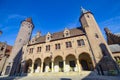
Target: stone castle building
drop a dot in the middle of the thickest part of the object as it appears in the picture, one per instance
(5, 51)
(73, 50)
(114, 43)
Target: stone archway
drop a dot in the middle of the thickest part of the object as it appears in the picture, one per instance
(37, 65)
(47, 65)
(58, 64)
(85, 61)
(70, 63)
(28, 67)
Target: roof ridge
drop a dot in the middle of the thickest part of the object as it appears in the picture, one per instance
(60, 35)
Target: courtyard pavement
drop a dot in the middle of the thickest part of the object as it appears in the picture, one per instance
(60, 77)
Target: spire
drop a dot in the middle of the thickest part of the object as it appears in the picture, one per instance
(83, 10)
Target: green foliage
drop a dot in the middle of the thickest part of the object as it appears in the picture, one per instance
(112, 72)
(118, 61)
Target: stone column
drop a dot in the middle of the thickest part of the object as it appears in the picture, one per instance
(32, 68)
(64, 65)
(78, 66)
(41, 67)
(52, 66)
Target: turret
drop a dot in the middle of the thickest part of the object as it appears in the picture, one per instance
(38, 34)
(23, 37)
(97, 43)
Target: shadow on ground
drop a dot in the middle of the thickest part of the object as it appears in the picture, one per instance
(65, 79)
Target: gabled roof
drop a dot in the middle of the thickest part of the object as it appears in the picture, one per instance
(60, 35)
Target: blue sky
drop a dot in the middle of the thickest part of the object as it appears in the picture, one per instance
(54, 15)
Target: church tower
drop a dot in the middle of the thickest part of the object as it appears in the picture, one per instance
(102, 55)
(23, 37)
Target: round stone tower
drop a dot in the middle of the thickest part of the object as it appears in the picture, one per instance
(23, 37)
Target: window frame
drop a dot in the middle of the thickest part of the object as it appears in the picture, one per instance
(39, 49)
(57, 46)
(80, 42)
(31, 50)
(68, 44)
(47, 47)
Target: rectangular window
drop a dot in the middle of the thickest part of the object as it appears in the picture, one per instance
(68, 44)
(80, 42)
(38, 49)
(7, 70)
(31, 50)
(48, 48)
(57, 46)
(96, 35)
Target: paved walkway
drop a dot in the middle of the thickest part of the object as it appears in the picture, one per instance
(61, 77)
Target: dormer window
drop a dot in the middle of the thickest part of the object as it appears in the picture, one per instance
(33, 40)
(48, 37)
(66, 33)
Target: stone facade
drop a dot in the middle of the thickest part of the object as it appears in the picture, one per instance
(114, 43)
(72, 50)
(23, 37)
(4, 55)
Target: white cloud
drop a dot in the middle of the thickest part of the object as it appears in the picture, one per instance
(16, 16)
(113, 24)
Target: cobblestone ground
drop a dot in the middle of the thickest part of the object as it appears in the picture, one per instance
(63, 77)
